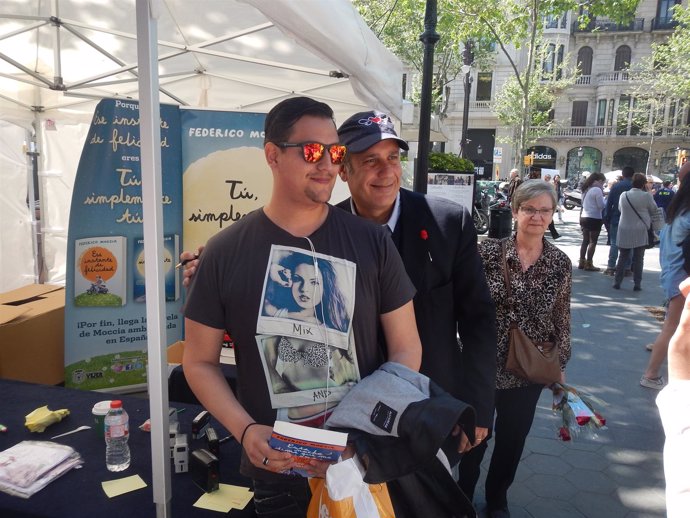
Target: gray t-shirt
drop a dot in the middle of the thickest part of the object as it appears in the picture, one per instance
(303, 334)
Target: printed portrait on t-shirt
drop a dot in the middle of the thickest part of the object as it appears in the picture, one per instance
(307, 295)
(304, 377)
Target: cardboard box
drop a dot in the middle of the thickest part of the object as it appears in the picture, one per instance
(32, 334)
(175, 352)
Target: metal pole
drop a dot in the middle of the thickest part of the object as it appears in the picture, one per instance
(467, 60)
(429, 37)
(152, 192)
(467, 83)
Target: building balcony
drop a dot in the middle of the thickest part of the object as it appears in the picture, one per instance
(618, 76)
(636, 25)
(594, 132)
(481, 105)
(664, 23)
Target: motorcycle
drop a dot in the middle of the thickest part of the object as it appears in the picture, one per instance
(572, 198)
(480, 213)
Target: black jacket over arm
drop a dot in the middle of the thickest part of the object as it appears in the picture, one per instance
(438, 245)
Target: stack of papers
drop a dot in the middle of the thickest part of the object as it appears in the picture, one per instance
(29, 466)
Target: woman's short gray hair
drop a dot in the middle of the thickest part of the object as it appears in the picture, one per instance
(531, 189)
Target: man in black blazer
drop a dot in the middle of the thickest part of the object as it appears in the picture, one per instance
(438, 244)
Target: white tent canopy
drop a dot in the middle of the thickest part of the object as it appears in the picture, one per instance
(57, 58)
(229, 54)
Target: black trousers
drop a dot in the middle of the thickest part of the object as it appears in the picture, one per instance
(515, 410)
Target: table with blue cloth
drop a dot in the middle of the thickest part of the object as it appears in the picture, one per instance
(78, 493)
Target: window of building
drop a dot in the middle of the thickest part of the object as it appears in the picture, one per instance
(612, 105)
(663, 12)
(552, 61)
(601, 112)
(623, 54)
(559, 62)
(623, 115)
(579, 114)
(551, 22)
(548, 61)
(484, 81)
(639, 118)
(584, 61)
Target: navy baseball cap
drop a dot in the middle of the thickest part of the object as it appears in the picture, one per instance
(364, 129)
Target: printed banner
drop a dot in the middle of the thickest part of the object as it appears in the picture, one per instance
(105, 314)
(457, 187)
(225, 172)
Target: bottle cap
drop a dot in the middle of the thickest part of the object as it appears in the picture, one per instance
(116, 403)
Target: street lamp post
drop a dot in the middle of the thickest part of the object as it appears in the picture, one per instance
(467, 60)
(429, 38)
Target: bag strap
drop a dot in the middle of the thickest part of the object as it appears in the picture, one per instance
(506, 274)
(635, 210)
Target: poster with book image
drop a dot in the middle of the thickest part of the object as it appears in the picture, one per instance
(106, 332)
(306, 443)
(171, 251)
(100, 271)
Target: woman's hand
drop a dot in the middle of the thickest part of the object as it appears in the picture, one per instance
(280, 275)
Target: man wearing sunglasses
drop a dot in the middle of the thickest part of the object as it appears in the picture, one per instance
(437, 241)
(230, 286)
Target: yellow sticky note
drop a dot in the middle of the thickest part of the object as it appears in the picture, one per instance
(122, 485)
(227, 497)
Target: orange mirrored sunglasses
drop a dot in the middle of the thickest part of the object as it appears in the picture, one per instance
(312, 152)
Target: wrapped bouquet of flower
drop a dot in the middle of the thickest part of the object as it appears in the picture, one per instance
(578, 416)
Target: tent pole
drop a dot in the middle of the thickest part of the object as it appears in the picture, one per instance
(32, 164)
(152, 192)
(57, 63)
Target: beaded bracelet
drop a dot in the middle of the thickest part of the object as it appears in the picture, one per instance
(245, 431)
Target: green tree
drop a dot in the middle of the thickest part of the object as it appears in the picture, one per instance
(659, 82)
(668, 68)
(509, 24)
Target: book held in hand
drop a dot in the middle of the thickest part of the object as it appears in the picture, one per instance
(306, 443)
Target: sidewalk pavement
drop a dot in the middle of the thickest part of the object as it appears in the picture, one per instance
(620, 473)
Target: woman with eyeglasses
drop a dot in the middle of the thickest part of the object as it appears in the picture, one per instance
(540, 279)
(591, 219)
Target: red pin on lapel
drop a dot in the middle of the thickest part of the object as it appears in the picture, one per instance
(425, 235)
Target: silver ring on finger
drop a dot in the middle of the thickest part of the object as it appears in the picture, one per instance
(265, 461)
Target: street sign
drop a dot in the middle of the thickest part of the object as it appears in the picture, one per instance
(498, 155)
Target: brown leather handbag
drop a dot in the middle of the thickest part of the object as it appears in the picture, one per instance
(535, 362)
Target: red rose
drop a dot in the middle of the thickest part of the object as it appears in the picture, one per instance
(600, 418)
(564, 434)
(582, 420)
(424, 234)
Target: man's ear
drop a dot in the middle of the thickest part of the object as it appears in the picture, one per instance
(342, 172)
(271, 152)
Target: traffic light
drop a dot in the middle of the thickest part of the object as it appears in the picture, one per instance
(529, 159)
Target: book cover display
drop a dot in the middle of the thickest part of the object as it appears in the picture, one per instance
(217, 157)
(171, 252)
(100, 271)
(306, 444)
(105, 330)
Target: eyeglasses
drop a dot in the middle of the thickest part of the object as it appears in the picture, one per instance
(531, 211)
(312, 152)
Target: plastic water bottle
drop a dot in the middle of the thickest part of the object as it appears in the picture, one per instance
(116, 425)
